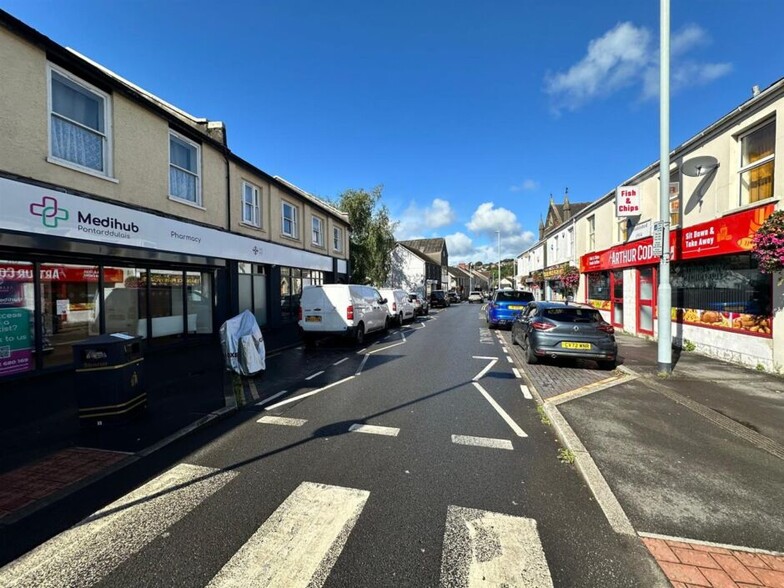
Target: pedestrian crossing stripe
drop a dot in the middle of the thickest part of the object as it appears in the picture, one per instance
(299, 543)
(90, 551)
(483, 548)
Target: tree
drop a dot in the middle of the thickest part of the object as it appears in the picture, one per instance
(372, 235)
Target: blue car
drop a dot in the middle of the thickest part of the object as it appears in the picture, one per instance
(505, 306)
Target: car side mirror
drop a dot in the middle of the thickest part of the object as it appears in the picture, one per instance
(382, 300)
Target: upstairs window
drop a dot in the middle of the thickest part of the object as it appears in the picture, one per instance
(318, 231)
(78, 123)
(251, 211)
(289, 220)
(184, 169)
(675, 199)
(591, 233)
(756, 166)
(337, 239)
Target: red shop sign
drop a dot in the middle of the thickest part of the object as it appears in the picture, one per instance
(722, 236)
(59, 273)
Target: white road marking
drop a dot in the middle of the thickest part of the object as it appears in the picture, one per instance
(90, 551)
(483, 442)
(526, 392)
(402, 334)
(509, 359)
(515, 427)
(361, 351)
(504, 349)
(385, 348)
(488, 367)
(374, 430)
(516, 373)
(483, 548)
(306, 394)
(314, 375)
(340, 361)
(271, 398)
(299, 543)
(361, 365)
(285, 421)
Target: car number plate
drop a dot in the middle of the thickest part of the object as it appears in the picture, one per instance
(570, 345)
(312, 319)
(515, 307)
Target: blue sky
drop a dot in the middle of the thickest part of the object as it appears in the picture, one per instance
(469, 113)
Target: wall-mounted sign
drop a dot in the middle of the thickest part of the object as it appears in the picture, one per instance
(640, 230)
(554, 272)
(628, 201)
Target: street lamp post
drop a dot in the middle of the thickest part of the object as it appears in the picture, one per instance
(665, 291)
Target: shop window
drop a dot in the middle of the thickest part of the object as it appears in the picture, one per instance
(646, 299)
(251, 207)
(616, 284)
(125, 301)
(166, 305)
(78, 123)
(598, 285)
(253, 291)
(290, 292)
(184, 169)
(68, 309)
(757, 157)
(17, 317)
(289, 220)
(729, 284)
(198, 300)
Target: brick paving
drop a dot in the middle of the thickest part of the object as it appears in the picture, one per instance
(688, 565)
(554, 377)
(24, 486)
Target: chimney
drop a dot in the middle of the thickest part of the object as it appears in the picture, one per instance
(217, 130)
(755, 91)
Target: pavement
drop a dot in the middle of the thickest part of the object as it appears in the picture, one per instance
(691, 464)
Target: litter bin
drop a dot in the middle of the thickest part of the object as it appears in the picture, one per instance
(109, 378)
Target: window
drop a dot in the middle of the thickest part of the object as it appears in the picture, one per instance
(591, 233)
(184, 169)
(253, 290)
(337, 239)
(675, 199)
(318, 231)
(17, 316)
(289, 218)
(251, 211)
(78, 123)
(598, 285)
(756, 165)
(623, 226)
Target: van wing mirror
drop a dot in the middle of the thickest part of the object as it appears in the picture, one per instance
(382, 300)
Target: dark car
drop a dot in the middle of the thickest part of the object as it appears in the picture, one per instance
(421, 305)
(438, 299)
(505, 306)
(559, 329)
(454, 297)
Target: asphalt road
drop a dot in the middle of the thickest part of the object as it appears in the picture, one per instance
(417, 461)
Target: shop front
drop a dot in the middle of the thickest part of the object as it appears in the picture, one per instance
(553, 286)
(718, 293)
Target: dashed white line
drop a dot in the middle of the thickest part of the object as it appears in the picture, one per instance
(306, 394)
(341, 361)
(314, 375)
(509, 359)
(514, 426)
(488, 367)
(284, 421)
(483, 442)
(526, 392)
(271, 398)
(361, 351)
(361, 365)
(504, 349)
(374, 430)
(516, 373)
(385, 348)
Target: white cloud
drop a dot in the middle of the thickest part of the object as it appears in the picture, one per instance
(525, 186)
(459, 245)
(416, 220)
(625, 56)
(488, 219)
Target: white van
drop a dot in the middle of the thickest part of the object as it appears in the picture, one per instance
(349, 310)
(399, 306)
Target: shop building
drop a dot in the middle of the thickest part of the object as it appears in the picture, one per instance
(122, 213)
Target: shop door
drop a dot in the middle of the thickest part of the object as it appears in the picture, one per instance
(646, 299)
(616, 289)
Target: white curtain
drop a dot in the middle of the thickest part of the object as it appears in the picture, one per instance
(76, 144)
(183, 184)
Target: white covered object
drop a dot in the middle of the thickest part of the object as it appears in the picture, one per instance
(243, 344)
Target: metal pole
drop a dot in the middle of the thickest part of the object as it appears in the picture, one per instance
(499, 259)
(664, 294)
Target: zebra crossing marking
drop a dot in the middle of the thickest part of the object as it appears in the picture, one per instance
(483, 548)
(90, 551)
(285, 421)
(374, 429)
(299, 543)
(483, 442)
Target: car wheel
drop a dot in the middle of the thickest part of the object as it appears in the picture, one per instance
(608, 365)
(514, 339)
(386, 324)
(359, 335)
(530, 356)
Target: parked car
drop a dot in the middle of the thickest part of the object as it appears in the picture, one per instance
(399, 307)
(505, 306)
(438, 299)
(421, 306)
(559, 329)
(349, 310)
(475, 296)
(454, 297)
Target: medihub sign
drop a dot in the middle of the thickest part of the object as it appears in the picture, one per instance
(628, 201)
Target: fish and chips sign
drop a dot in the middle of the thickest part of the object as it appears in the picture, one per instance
(628, 201)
